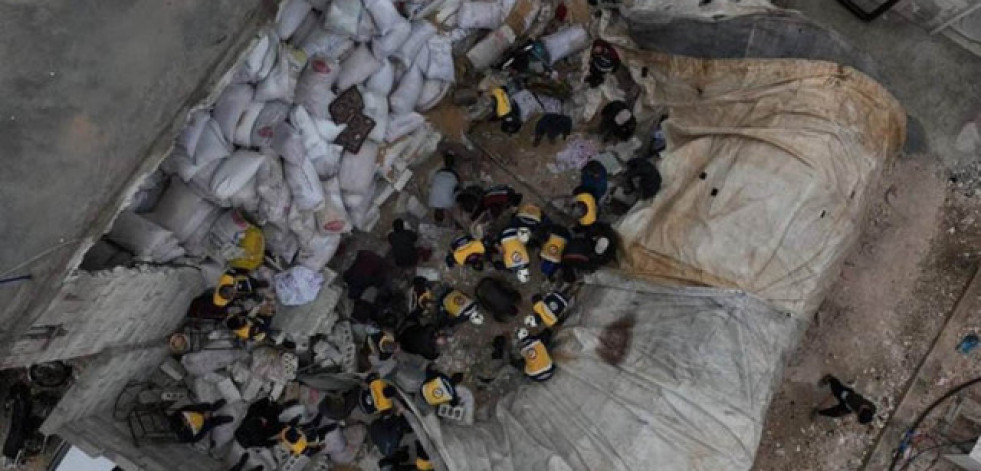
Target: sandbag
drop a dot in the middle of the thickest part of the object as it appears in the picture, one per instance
(422, 30)
(329, 164)
(298, 285)
(311, 22)
(403, 99)
(563, 43)
(270, 59)
(201, 182)
(383, 13)
(313, 88)
(144, 238)
(332, 218)
(383, 80)
(314, 146)
(248, 70)
(343, 17)
(490, 49)
(211, 145)
(302, 224)
(324, 43)
(197, 243)
(228, 229)
(272, 114)
(387, 45)
(235, 172)
(366, 28)
(291, 14)
(146, 197)
(180, 164)
(181, 210)
(440, 65)
(304, 185)
(246, 123)
(376, 108)
(400, 125)
(274, 195)
(280, 84)
(422, 57)
(288, 143)
(281, 243)
(328, 129)
(246, 198)
(191, 133)
(432, 92)
(358, 170)
(318, 251)
(357, 67)
(206, 361)
(230, 107)
(479, 15)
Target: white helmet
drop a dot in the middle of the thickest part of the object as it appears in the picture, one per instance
(523, 275)
(531, 322)
(524, 234)
(477, 318)
(522, 333)
(601, 245)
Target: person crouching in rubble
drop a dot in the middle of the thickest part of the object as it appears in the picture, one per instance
(617, 122)
(467, 251)
(248, 328)
(593, 179)
(299, 442)
(529, 216)
(421, 296)
(588, 251)
(402, 461)
(379, 397)
(514, 253)
(457, 308)
(603, 60)
(191, 423)
(236, 286)
(584, 208)
(438, 389)
(442, 190)
(548, 310)
(496, 200)
(552, 249)
(534, 359)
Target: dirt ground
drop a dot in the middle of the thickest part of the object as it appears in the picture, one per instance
(913, 261)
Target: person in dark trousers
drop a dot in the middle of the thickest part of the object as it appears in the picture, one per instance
(617, 121)
(260, 427)
(368, 270)
(848, 402)
(386, 433)
(442, 190)
(421, 339)
(19, 402)
(240, 466)
(403, 243)
(641, 176)
(191, 423)
(496, 200)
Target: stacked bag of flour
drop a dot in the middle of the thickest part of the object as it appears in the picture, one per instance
(271, 150)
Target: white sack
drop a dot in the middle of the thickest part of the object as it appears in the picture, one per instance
(328, 164)
(228, 229)
(400, 125)
(246, 123)
(189, 136)
(235, 172)
(383, 13)
(491, 48)
(527, 103)
(386, 45)
(319, 5)
(357, 67)
(403, 99)
(144, 238)
(343, 16)
(376, 108)
(332, 218)
(252, 63)
(181, 210)
(197, 243)
(432, 92)
(564, 43)
(313, 88)
(281, 81)
(206, 361)
(383, 80)
(314, 146)
(201, 182)
(230, 107)
(358, 170)
(291, 14)
(366, 28)
(479, 15)
(322, 42)
(440, 65)
(422, 57)
(303, 224)
(298, 285)
(318, 251)
(304, 185)
(246, 198)
(422, 30)
(311, 22)
(211, 145)
(272, 114)
(328, 129)
(288, 143)
(280, 242)
(181, 164)
(274, 195)
(270, 59)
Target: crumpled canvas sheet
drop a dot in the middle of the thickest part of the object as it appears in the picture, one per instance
(767, 176)
(649, 377)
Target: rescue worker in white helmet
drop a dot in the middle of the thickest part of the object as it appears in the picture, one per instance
(378, 397)
(584, 208)
(535, 361)
(455, 307)
(467, 251)
(530, 217)
(514, 253)
(438, 389)
(548, 310)
(552, 249)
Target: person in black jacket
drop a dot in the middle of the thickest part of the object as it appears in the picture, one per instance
(641, 176)
(403, 243)
(191, 423)
(849, 402)
(421, 339)
(260, 427)
(368, 270)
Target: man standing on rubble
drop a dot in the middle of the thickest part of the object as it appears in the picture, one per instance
(403, 243)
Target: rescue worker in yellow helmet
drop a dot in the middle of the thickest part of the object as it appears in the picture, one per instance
(455, 307)
(191, 423)
(548, 310)
(530, 217)
(552, 249)
(247, 328)
(293, 440)
(422, 297)
(514, 253)
(438, 389)
(465, 250)
(235, 285)
(378, 397)
(506, 111)
(535, 361)
(382, 344)
(305, 439)
(585, 208)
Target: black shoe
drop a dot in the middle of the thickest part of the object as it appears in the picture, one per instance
(500, 343)
(824, 380)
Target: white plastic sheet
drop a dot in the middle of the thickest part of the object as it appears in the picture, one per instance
(297, 286)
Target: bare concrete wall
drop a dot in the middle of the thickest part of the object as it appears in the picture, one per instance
(112, 309)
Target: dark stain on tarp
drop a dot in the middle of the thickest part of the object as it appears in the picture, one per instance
(614, 341)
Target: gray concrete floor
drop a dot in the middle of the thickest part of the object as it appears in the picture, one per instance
(91, 91)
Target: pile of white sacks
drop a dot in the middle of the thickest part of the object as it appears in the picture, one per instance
(266, 146)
